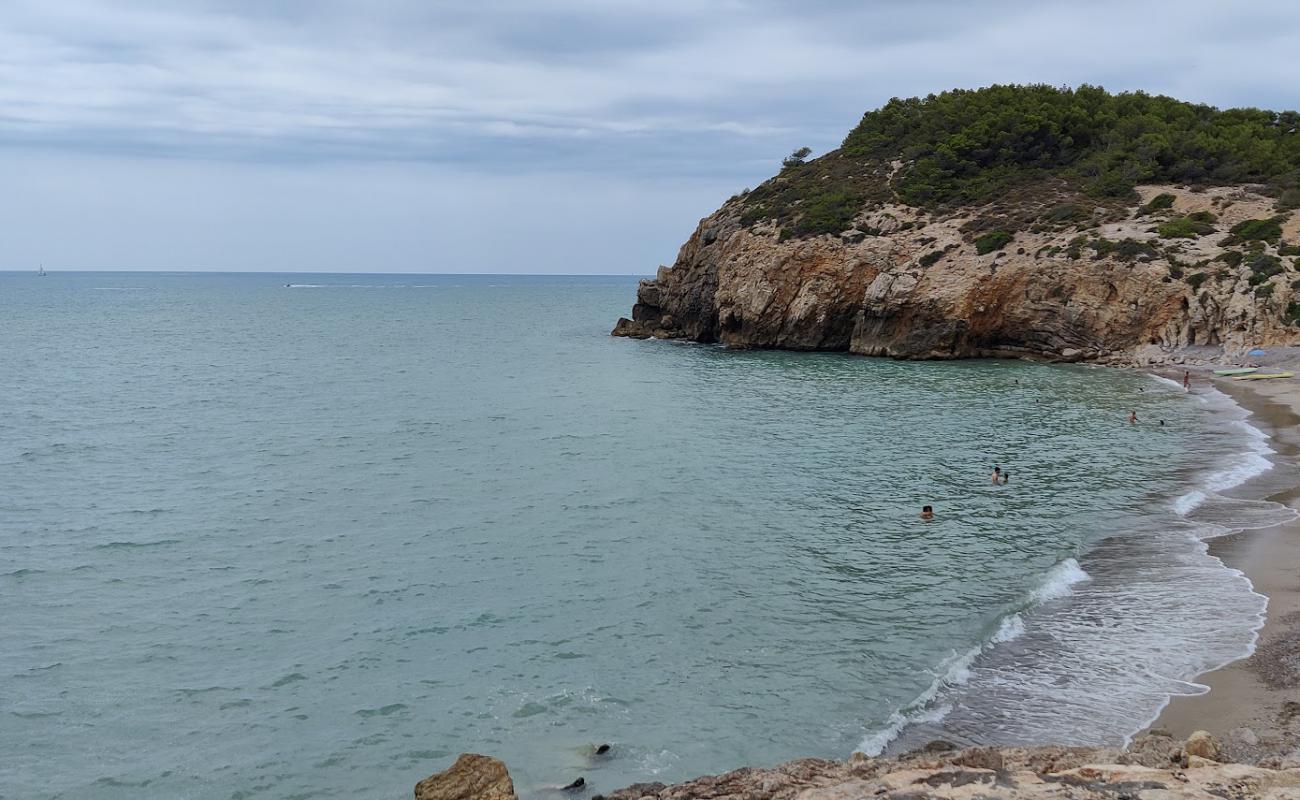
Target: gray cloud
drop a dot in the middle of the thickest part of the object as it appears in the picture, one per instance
(690, 99)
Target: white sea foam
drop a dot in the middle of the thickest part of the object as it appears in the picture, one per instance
(956, 669)
(1246, 466)
(1169, 381)
(1185, 504)
(1059, 580)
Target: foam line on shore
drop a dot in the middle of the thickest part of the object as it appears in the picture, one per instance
(953, 706)
(1056, 584)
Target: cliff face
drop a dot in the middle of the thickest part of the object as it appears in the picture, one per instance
(1108, 286)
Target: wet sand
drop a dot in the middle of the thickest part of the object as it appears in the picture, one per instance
(1260, 693)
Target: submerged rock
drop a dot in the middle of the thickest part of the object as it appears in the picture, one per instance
(472, 777)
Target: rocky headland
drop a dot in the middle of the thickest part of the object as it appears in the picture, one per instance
(934, 232)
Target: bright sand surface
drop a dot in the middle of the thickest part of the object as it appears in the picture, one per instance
(1258, 692)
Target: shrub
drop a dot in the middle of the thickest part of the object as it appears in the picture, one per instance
(1158, 203)
(1289, 200)
(934, 256)
(1261, 230)
(1130, 249)
(1232, 258)
(828, 213)
(797, 157)
(1066, 213)
(1195, 280)
(1293, 313)
(1188, 227)
(1284, 249)
(1264, 291)
(1263, 267)
(1124, 250)
(995, 240)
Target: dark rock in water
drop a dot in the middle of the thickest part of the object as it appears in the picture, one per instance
(603, 749)
(472, 777)
(578, 784)
(938, 746)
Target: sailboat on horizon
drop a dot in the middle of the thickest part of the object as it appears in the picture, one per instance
(41, 270)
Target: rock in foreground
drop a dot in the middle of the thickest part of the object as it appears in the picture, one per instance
(1156, 767)
(472, 777)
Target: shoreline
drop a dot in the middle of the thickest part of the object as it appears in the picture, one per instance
(1250, 703)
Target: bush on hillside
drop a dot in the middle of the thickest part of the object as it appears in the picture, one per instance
(995, 240)
(1160, 202)
(1232, 258)
(1262, 267)
(1258, 230)
(1191, 226)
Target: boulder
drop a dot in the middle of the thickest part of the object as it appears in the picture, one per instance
(472, 777)
(1202, 745)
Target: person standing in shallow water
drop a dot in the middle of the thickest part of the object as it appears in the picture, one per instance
(927, 513)
(996, 477)
(1187, 380)
(1132, 417)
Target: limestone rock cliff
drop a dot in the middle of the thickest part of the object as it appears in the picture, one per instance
(1119, 283)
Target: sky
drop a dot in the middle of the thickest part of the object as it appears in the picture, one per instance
(511, 136)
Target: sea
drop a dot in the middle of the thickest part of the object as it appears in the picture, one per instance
(309, 536)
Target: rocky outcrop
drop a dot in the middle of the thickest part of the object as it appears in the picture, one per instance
(472, 777)
(906, 284)
(1155, 767)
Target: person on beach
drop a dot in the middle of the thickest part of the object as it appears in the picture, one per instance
(1187, 380)
(927, 513)
(1132, 417)
(997, 474)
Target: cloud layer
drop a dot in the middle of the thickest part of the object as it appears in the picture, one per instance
(706, 96)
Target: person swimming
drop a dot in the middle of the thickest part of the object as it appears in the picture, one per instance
(1006, 478)
(927, 513)
(997, 474)
(1132, 417)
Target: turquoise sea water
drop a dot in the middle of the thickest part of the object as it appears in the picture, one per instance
(269, 541)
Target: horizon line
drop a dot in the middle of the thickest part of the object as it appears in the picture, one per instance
(96, 271)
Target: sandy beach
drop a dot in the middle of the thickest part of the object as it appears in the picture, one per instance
(1253, 705)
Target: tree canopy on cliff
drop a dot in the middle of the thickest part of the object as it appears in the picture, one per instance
(972, 146)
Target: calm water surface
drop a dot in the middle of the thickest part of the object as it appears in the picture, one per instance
(260, 541)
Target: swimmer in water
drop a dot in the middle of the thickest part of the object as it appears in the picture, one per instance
(1006, 478)
(997, 475)
(1132, 417)
(927, 513)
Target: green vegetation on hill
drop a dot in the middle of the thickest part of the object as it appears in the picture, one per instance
(974, 147)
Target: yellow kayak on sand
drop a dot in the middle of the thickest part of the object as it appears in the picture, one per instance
(1259, 376)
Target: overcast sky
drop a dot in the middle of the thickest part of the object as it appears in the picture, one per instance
(567, 136)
